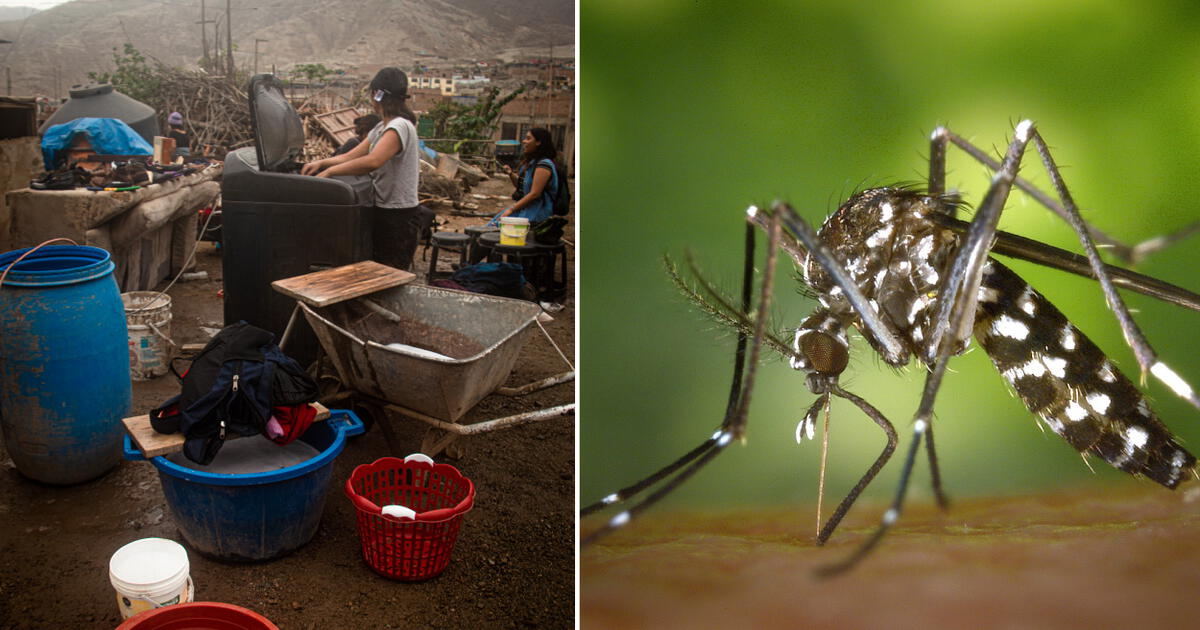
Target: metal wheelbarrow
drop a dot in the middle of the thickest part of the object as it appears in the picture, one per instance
(427, 353)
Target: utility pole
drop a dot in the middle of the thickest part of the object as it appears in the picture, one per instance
(256, 40)
(205, 62)
(228, 40)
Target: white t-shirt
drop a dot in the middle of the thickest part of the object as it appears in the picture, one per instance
(395, 182)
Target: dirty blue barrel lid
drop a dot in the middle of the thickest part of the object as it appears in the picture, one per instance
(55, 265)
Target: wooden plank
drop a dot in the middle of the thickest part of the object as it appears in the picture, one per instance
(322, 288)
(152, 443)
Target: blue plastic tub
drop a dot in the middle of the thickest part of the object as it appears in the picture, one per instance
(64, 363)
(258, 516)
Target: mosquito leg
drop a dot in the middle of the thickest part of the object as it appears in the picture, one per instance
(1128, 254)
(937, 161)
(1146, 357)
(894, 351)
(736, 409)
(934, 471)
(866, 479)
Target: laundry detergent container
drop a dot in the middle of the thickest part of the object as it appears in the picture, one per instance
(254, 516)
(277, 223)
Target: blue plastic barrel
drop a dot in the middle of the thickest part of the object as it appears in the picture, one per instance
(254, 516)
(64, 363)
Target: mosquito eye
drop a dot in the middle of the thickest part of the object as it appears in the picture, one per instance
(824, 352)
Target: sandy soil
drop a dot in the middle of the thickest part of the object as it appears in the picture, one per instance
(513, 565)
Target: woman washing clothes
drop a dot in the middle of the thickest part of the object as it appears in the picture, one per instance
(389, 156)
(536, 178)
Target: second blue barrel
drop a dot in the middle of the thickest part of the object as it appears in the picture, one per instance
(64, 363)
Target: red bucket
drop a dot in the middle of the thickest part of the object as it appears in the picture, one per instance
(198, 616)
(431, 497)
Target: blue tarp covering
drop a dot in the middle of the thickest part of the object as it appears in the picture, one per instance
(108, 136)
(429, 153)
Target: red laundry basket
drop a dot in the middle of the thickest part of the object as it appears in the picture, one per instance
(409, 548)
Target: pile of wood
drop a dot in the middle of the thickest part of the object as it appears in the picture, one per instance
(215, 109)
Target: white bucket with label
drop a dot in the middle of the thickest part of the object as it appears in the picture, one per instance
(148, 317)
(513, 230)
(150, 573)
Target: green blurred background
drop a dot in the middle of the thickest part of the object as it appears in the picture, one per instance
(690, 111)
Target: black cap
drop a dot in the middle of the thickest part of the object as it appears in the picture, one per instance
(391, 80)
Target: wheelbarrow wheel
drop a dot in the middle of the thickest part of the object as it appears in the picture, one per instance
(436, 440)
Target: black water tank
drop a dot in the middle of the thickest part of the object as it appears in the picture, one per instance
(100, 100)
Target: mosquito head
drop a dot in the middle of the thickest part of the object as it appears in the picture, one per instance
(821, 349)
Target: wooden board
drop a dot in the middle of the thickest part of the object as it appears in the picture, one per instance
(322, 288)
(152, 443)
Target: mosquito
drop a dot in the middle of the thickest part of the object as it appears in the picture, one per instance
(897, 264)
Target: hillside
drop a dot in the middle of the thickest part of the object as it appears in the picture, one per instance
(56, 48)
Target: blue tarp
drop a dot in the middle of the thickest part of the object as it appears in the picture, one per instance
(108, 136)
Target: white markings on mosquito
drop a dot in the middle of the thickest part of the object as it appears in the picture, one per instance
(807, 427)
(1025, 302)
(988, 294)
(925, 247)
(930, 275)
(752, 211)
(938, 133)
(920, 426)
(1075, 411)
(1106, 373)
(1056, 365)
(885, 213)
(1034, 367)
(1067, 339)
(725, 438)
(619, 520)
(1023, 129)
(1143, 407)
(1135, 437)
(1178, 459)
(880, 236)
(1173, 380)
(890, 516)
(610, 499)
(1055, 424)
(1099, 402)
(1009, 327)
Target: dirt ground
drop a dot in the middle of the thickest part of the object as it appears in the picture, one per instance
(513, 565)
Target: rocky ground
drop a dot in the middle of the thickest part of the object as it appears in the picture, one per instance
(512, 567)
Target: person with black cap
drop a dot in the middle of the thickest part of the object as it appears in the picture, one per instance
(183, 141)
(390, 156)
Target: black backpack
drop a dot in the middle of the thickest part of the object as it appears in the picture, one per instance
(230, 389)
(562, 199)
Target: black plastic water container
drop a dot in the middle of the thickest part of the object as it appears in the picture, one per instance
(277, 223)
(100, 100)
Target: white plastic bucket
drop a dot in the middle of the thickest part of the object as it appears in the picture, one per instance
(150, 573)
(513, 230)
(148, 317)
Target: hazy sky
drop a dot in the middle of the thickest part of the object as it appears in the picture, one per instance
(37, 4)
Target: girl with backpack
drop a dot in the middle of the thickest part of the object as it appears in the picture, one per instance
(536, 180)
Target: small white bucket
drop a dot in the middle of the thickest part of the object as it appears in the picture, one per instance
(513, 230)
(148, 317)
(150, 573)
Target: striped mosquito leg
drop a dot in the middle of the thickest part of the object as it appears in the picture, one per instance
(1066, 380)
(1146, 357)
(937, 161)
